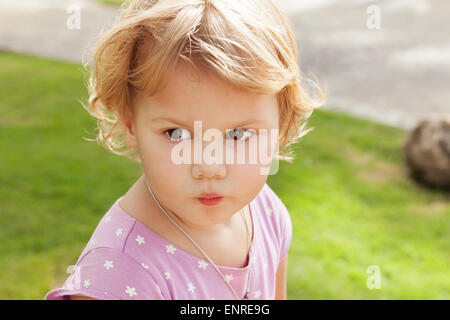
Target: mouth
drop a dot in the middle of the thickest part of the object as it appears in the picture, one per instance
(210, 199)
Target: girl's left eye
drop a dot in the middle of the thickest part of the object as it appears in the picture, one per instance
(237, 134)
(177, 133)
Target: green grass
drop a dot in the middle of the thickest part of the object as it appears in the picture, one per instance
(351, 204)
(112, 2)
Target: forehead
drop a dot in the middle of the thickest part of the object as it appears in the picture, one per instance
(196, 94)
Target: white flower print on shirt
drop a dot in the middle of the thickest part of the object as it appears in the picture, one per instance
(202, 264)
(257, 294)
(168, 275)
(108, 264)
(228, 277)
(144, 265)
(131, 291)
(170, 249)
(119, 231)
(87, 283)
(191, 287)
(140, 239)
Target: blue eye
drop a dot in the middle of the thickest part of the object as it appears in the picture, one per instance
(176, 134)
(241, 134)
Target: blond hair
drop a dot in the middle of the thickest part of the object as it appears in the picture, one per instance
(248, 43)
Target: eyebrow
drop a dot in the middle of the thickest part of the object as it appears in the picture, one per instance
(174, 121)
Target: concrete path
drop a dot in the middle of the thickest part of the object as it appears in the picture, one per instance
(39, 27)
(396, 75)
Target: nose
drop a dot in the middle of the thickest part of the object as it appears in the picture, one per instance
(208, 171)
(212, 167)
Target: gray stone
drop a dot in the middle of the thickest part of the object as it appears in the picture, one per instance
(427, 152)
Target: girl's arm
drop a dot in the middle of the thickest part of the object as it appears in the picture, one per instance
(280, 290)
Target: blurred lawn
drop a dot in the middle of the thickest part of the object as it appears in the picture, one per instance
(112, 2)
(350, 202)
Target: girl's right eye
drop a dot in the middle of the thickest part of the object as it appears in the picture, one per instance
(177, 133)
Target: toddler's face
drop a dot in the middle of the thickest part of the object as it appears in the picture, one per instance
(217, 105)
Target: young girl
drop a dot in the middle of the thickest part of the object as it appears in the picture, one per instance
(195, 230)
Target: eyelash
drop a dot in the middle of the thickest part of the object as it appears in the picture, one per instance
(252, 131)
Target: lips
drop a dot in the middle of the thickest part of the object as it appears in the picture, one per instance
(209, 195)
(210, 198)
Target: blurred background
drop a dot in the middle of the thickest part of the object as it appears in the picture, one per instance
(368, 192)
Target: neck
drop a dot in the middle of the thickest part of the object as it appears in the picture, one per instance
(215, 229)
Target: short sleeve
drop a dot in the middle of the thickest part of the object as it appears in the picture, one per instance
(109, 274)
(282, 219)
(286, 230)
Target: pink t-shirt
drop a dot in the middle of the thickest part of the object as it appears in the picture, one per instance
(126, 260)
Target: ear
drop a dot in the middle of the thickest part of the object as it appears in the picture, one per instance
(128, 129)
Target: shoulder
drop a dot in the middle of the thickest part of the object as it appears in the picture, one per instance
(107, 269)
(275, 218)
(112, 230)
(272, 205)
(109, 273)
(272, 198)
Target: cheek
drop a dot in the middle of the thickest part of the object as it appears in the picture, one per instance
(155, 150)
(247, 180)
(257, 151)
(247, 175)
(166, 177)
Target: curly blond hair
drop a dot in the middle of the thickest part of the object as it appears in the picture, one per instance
(248, 43)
